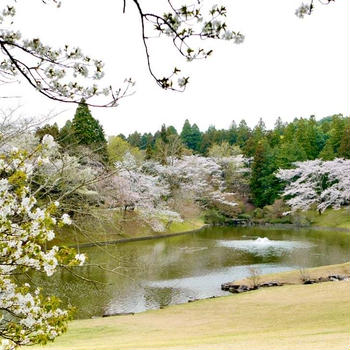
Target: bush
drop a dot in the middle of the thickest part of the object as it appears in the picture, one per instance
(214, 217)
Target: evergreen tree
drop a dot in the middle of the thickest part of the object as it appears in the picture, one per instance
(47, 130)
(243, 133)
(164, 134)
(327, 153)
(66, 135)
(191, 136)
(288, 153)
(312, 135)
(205, 144)
(276, 135)
(263, 184)
(146, 139)
(171, 130)
(135, 139)
(258, 133)
(232, 133)
(336, 132)
(149, 152)
(87, 131)
(344, 148)
(122, 136)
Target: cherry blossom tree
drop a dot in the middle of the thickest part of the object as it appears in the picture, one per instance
(27, 315)
(151, 186)
(132, 188)
(316, 182)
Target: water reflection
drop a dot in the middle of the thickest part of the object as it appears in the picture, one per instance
(156, 273)
(264, 246)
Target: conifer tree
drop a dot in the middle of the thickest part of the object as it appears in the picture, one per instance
(88, 132)
(344, 148)
(191, 136)
(264, 185)
(243, 133)
(327, 153)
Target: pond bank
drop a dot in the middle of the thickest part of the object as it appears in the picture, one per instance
(140, 238)
(307, 317)
(329, 273)
(164, 235)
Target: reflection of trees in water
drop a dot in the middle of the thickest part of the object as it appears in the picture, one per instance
(89, 298)
(138, 263)
(160, 297)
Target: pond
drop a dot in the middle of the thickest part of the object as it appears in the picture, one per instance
(141, 275)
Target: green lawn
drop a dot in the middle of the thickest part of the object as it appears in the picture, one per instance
(331, 218)
(293, 317)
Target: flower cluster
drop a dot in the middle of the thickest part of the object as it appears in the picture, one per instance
(151, 187)
(323, 183)
(27, 317)
(56, 73)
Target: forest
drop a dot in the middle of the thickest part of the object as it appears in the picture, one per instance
(156, 180)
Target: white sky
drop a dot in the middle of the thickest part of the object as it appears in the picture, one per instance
(287, 67)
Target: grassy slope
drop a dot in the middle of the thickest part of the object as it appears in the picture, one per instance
(294, 277)
(289, 317)
(331, 218)
(110, 229)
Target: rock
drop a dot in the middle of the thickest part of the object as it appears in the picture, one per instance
(109, 314)
(309, 281)
(225, 286)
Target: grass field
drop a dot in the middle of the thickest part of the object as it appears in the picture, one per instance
(294, 317)
(330, 218)
(109, 230)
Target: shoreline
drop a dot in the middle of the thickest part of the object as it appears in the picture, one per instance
(165, 235)
(135, 239)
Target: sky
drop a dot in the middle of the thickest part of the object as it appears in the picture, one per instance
(287, 67)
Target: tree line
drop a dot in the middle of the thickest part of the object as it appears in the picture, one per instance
(267, 149)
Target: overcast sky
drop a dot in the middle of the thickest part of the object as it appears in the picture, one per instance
(286, 67)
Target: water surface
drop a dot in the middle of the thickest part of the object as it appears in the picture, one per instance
(141, 275)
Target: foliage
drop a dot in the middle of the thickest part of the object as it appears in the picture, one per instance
(48, 129)
(191, 136)
(263, 184)
(117, 148)
(27, 315)
(223, 150)
(155, 190)
(87, 131)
